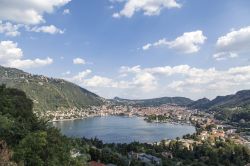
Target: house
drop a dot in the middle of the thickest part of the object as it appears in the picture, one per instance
(231, 131)
(218, 133)
(167, 155)
(219, 127)
(203, 135)
(133, 155)
(147, 158)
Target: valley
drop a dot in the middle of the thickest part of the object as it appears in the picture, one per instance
(68, 106)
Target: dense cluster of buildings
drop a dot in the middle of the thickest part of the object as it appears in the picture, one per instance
(172, 111)
(209, 129)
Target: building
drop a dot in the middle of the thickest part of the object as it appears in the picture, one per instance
(147, 158)
(167, 155)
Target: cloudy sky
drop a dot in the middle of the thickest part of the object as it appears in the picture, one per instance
(131, 48)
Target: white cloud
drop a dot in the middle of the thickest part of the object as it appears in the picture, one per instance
(224, 55)
(79, 78)
(11, 56)
(189, 81)
(145, 81)
(66, 11)
(13, 30)
(148, 7)
(116, 15)
(147, 46)
(233, 43)
(9, 29)
(188, 43)
(28, 63)
(180, 80)
(98, 81)
(28, 11)
(111, 7)
(51, 29)
(105, 82)
(79, 61)
(68, 72)
(9, 51)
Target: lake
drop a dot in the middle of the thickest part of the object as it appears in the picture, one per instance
(119, 129)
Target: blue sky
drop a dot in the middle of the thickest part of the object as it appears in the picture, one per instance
(131, 48)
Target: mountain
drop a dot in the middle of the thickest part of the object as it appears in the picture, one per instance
(48, 93)
(182, 101)
(53, 94)
(239, 99)
(199, 103)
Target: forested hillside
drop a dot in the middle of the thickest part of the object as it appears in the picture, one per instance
(182, 101)
(48, 93)
(26, 140)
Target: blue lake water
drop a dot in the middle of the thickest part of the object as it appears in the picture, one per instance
(118, 129)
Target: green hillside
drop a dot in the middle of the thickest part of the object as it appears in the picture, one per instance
(199, 103)
(239, 99)
(48, 93)
(182, 101)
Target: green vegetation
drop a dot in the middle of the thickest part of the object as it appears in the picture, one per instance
(239, 99)
(221, 153)
(48, 93)
(201, 103)
(160, 118)
(233, 109)
(32, 141)
(182, 101)
(235, 116)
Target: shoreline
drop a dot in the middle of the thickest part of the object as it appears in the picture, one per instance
(135, 140)
(169, 122)
(61, 120)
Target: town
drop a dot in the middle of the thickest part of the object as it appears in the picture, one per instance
(207, 127)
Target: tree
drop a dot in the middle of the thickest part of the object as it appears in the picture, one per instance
(30, 150)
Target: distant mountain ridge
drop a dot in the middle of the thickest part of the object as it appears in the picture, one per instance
(239, 99)
(182, 101)
(199, 103)
(49, 93)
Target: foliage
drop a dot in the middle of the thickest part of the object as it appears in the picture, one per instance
(220, 153)
(239, 116)
(182, 101)
(35, 142)
(32, 140)
(48, 93)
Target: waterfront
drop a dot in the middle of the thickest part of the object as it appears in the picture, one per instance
(118, 129)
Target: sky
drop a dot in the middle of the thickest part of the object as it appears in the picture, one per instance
(134, 49)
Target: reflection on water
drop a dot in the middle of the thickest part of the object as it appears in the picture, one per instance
(116, 129)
